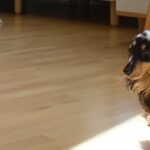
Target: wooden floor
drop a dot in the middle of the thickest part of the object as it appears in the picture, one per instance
(60, 87)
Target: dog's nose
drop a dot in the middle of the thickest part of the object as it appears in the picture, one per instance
(128, 70)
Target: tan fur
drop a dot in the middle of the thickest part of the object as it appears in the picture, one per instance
(141, 74)
(141, 84)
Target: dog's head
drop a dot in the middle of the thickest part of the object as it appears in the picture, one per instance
(137, 71)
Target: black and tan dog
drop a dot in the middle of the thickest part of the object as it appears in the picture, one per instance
(137, 71)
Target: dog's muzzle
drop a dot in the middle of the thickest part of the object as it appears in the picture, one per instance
(128, 69)
(130, 66)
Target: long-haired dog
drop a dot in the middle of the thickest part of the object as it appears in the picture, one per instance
(137, 71)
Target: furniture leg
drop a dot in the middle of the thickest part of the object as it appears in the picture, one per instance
(18, 6)
(114, 19)
(141, 22)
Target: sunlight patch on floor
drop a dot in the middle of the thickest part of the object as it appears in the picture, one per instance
(126, 136)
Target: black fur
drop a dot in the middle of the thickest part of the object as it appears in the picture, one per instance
(139, 51)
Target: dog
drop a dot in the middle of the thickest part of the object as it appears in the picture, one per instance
(137, 70)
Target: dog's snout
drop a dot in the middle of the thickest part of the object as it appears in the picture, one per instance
(128, 69)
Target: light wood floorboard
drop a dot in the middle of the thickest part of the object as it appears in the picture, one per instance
(60, 87)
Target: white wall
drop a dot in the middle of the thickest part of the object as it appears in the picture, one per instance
(134, 6)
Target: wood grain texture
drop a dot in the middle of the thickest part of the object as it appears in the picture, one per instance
(59, 82)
